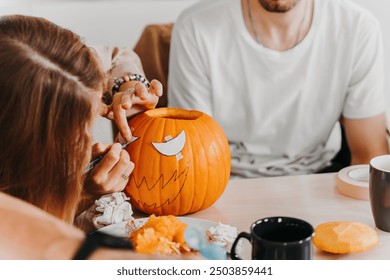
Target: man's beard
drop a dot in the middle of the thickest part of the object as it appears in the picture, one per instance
(278, 6)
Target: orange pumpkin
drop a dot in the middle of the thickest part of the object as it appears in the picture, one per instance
(182, 161)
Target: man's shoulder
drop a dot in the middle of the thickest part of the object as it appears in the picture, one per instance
(349, 11)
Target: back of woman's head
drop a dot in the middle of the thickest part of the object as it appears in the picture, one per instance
(49, 81)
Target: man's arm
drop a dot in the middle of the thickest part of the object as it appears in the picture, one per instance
(366, 138)
(363, 115)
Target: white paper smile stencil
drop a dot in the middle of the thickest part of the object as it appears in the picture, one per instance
(172, 146)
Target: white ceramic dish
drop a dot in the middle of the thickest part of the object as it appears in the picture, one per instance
(120, 229)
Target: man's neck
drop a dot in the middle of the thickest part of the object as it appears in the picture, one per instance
(278, 31)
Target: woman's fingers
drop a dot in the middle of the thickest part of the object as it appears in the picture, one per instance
(110, 159)
(144, 99)
(120, 173)
(99, 149)
(122, 166)
(141, 91)
(124, 177)
(127, 98)
(112, 173)
(156, 87)
(133, 100)
(120, 117)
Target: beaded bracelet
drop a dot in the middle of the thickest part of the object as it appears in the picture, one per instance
(126, 78)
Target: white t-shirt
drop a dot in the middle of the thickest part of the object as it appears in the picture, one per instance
(277, 108)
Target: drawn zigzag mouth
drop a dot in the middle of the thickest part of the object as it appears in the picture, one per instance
(160, 183)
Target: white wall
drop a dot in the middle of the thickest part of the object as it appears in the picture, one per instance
(104, 22)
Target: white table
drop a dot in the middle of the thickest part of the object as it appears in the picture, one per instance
(313, 198)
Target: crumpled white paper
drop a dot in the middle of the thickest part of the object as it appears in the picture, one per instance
(111, 209)
(222, 235)
(107, 210)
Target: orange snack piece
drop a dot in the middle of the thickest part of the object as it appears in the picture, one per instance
(344, 237)
(160, 235)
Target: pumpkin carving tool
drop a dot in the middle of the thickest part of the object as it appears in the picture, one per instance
(94, 162)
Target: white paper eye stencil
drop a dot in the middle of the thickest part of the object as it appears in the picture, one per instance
(173, 146)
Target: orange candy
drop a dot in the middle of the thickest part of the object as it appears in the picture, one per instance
(344, 237)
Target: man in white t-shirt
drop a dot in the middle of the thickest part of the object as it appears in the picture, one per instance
(277, 75)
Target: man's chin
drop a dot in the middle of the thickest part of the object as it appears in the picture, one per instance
(278, 6)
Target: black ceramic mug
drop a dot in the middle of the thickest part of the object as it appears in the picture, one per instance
(379, 188)
(278, 238)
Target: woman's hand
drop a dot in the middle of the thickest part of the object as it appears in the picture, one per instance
(133, 98)
(111, 174)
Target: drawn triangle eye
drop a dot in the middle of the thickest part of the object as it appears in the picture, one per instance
(173, 146)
